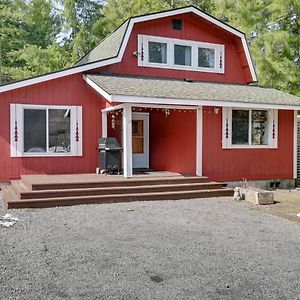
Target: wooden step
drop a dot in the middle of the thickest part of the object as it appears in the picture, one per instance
(109, 182)
(13, 201)
(24, 193)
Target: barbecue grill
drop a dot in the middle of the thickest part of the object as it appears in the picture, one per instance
(109, 156)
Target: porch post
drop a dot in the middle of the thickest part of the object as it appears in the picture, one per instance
(104, 124)
(127, 140)
(199, 118)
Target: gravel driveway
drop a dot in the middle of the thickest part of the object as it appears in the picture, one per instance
(192, 249)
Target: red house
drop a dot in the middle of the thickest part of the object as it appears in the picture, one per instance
(173, 87)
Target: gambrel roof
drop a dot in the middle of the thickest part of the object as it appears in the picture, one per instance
(136, 89)
(111, 49)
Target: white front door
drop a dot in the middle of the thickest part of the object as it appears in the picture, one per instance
(140, 140)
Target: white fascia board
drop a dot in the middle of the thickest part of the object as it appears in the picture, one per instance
(167, 101)
(97, 88)
(58, 74)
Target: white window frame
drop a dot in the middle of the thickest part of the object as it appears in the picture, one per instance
(227, 129)
(17, 130)
(143, 54)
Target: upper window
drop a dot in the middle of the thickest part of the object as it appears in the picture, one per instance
(38, 130)
(249, 128)
(157, 52)
(182, 55)
(206, 58)
(178, 54)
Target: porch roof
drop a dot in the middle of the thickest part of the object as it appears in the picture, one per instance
(118, 88)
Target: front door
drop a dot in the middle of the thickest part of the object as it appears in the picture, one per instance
(140, 140)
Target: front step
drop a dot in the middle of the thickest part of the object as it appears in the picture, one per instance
(24, 193)
(30, 184)
(12, 200)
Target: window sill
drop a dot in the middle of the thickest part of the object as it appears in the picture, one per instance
(48, 155)
(250, 147)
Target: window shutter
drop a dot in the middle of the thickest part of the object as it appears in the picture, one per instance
(76, 130)
(273, 127)
(16, 130)
(226, 127)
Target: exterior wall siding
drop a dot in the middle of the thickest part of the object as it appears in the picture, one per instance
(71, 90)
(252, 164)
(195, 29)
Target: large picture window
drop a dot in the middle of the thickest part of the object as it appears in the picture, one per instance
(162, 52)
(38, 130)
(47, 130)
(246, 128)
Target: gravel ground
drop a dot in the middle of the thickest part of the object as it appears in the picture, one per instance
(190, 249)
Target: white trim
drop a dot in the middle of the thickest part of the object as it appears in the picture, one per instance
(143, 42)
(17, 115)
(97, 88)
(127, 141)
(112, 108)
(166, 106)
(124, 43)
(104, 123)
(295, 146)
(141, 160)
(199, 139)
(227, 130)
(199, 102)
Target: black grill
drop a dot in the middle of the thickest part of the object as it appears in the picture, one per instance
(109, 155)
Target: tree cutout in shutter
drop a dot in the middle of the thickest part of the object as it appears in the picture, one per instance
(142, 52)
(16, 133)
(226, 129)
(77, 133)
(273, 130)
(221, 61)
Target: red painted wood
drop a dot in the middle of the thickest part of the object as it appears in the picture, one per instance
(71, 90)
(252, 164)
(194, 28)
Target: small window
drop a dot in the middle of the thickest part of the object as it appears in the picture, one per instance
(206, 58)
(182, 55)
(259, 127)
(176, 24)
(240, 127)
(157, 52)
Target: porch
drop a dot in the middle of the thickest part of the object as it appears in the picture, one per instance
(159, 137)
(39, 191)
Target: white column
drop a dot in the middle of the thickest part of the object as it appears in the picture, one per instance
(127, 140)
(199, 142)
(104, 124)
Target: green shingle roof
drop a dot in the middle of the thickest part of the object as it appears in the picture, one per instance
(107, 48)
(195, 90)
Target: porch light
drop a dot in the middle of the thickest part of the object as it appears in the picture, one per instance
(113, 122)
(216, 110)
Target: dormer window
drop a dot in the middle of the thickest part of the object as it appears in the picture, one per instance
(182, 55)
(157, 52)
(206, 58)
(168, 53)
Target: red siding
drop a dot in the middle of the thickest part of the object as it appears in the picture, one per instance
(194, 28)
(171, 140)
(235, 164)
(71, 90)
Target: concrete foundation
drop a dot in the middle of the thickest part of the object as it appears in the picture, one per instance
(272, 184)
